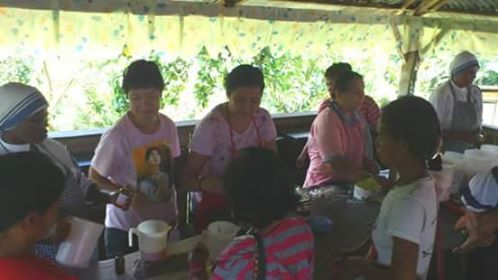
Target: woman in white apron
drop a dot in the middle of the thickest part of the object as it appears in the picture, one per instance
(458, 103)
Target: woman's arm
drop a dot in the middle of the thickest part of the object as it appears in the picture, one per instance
(347, 169)
(102, 181)
(403, 264)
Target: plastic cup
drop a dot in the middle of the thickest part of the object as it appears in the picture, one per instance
(218, 236)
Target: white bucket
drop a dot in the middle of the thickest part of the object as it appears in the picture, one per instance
(79, 246)
(218, 236)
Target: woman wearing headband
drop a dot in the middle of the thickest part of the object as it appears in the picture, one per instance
(458, 103)
(23, 127)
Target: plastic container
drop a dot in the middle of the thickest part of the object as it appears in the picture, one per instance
(79, 246)
(218, 236)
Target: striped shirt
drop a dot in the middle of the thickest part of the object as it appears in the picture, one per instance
(289, 252)
(368, 109)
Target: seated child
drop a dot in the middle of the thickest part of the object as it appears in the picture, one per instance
(277, 245)
(30, 190)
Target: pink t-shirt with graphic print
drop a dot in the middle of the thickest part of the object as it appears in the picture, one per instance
(114, 159)
(212, 137)
(329, 138)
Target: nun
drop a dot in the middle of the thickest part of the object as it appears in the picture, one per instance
(23, 127)
(458, 103)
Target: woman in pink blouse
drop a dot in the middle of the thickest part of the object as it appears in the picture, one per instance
(340, 146)
(229, 127)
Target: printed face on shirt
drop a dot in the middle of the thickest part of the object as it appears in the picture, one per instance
(466, 77)
(153, 157)
(144, 101)
(351, 99)
(33, 130)
(245, 100)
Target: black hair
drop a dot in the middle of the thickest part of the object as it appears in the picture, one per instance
(142, 74)
(335, 69)
(413, 120)
(244, 75)
(258, 187)
(344, 80)
(29, 183)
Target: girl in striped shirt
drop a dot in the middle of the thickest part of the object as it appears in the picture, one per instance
(277, 246)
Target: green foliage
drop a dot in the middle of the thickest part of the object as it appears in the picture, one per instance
(16, 69)
(209, 76)
(294, 83)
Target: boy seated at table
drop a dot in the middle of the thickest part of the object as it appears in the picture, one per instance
(30, 190)
(480, 198)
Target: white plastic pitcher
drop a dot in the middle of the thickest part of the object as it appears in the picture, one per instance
(79, 246)
(218, 236)
(152, 239)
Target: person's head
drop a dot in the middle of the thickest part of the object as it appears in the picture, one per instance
(258, 187)
(464, 68)
(333, 71)
(244, 87)
(153, 156)
(409, 130)
(23, 114)
(349, 90)
(143, 85)
(30, 190)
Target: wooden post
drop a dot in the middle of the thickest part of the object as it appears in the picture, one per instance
(409, 73)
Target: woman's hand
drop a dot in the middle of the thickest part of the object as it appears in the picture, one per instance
(125, 200)
(481, 229)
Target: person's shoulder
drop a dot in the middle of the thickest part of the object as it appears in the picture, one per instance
(121, 126)
(167, 122)
(53, 144)
(370, 101)
(444, 89)
(422, 191)
(215, 115)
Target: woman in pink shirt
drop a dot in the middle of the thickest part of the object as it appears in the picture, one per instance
(122, 158)
(340, 146)
(229, 127)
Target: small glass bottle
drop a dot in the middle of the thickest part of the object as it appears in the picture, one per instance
(123, 197)
(119, 264)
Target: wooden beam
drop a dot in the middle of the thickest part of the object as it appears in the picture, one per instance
(408, 75)
(428, 5)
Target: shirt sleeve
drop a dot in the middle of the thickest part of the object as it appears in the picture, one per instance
(109, 154)
(406, 220)
(443, 104)
(203, 141)
(175, 143)
(372, 112)
(326, 133)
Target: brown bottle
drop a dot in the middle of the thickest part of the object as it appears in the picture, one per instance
(119, 264)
